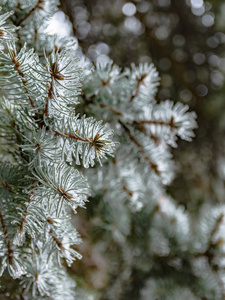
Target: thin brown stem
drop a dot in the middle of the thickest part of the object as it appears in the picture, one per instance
(21, 75)
(37, 6)
(25, 215)
(171, 123)
(112, 110)
(139, 82)
(56, 240)
(50, 90)
(64, 193)
(153, 166)
(211, 244)
(126, 190)
(7, 186)
(7, 241)
(55, 74)
(94, 142)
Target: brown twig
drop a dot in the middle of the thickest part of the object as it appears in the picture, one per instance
(20, 73)
(5, 184)
(126, 190)
(153, 166)
(94, 142)
(25, 214)
(112, 110)
(171, 123)
(39, 2)
(64, 193)
(139, 81)
(55, 74)
(56, 240)
(7, 241)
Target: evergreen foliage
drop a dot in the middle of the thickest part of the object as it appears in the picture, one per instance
(164, 253)
(42, 139)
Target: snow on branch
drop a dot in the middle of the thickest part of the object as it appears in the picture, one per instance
(85, 139)
(63, 184)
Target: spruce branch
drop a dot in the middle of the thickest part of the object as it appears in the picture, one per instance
(144, 80)
(153, 166)
(85, 139)
(7, 30)
(62, 183)
(25, 85)
(20, 73)
(37, 6)
(64, 85)
(10, 254)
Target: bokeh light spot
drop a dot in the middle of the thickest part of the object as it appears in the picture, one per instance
(197, 3)
(129, 9)
(143, 6)
(198, 11)
(134, 25)
(199, 58)
(186, 95)
(208, 19)
(202, 90)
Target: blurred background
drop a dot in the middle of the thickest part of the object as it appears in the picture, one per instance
(185, 39)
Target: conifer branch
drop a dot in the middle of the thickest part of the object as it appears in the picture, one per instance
(153, 166)
(49, 97)
(37, 6)
(23, 220)
(126, 190)
(56, 240)
(21, 75)
(112, 109)
(139, 82)
(5, 184)
(56, 75)
(96, 143)
(211, 245)
(10, 252)
(156, 122)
